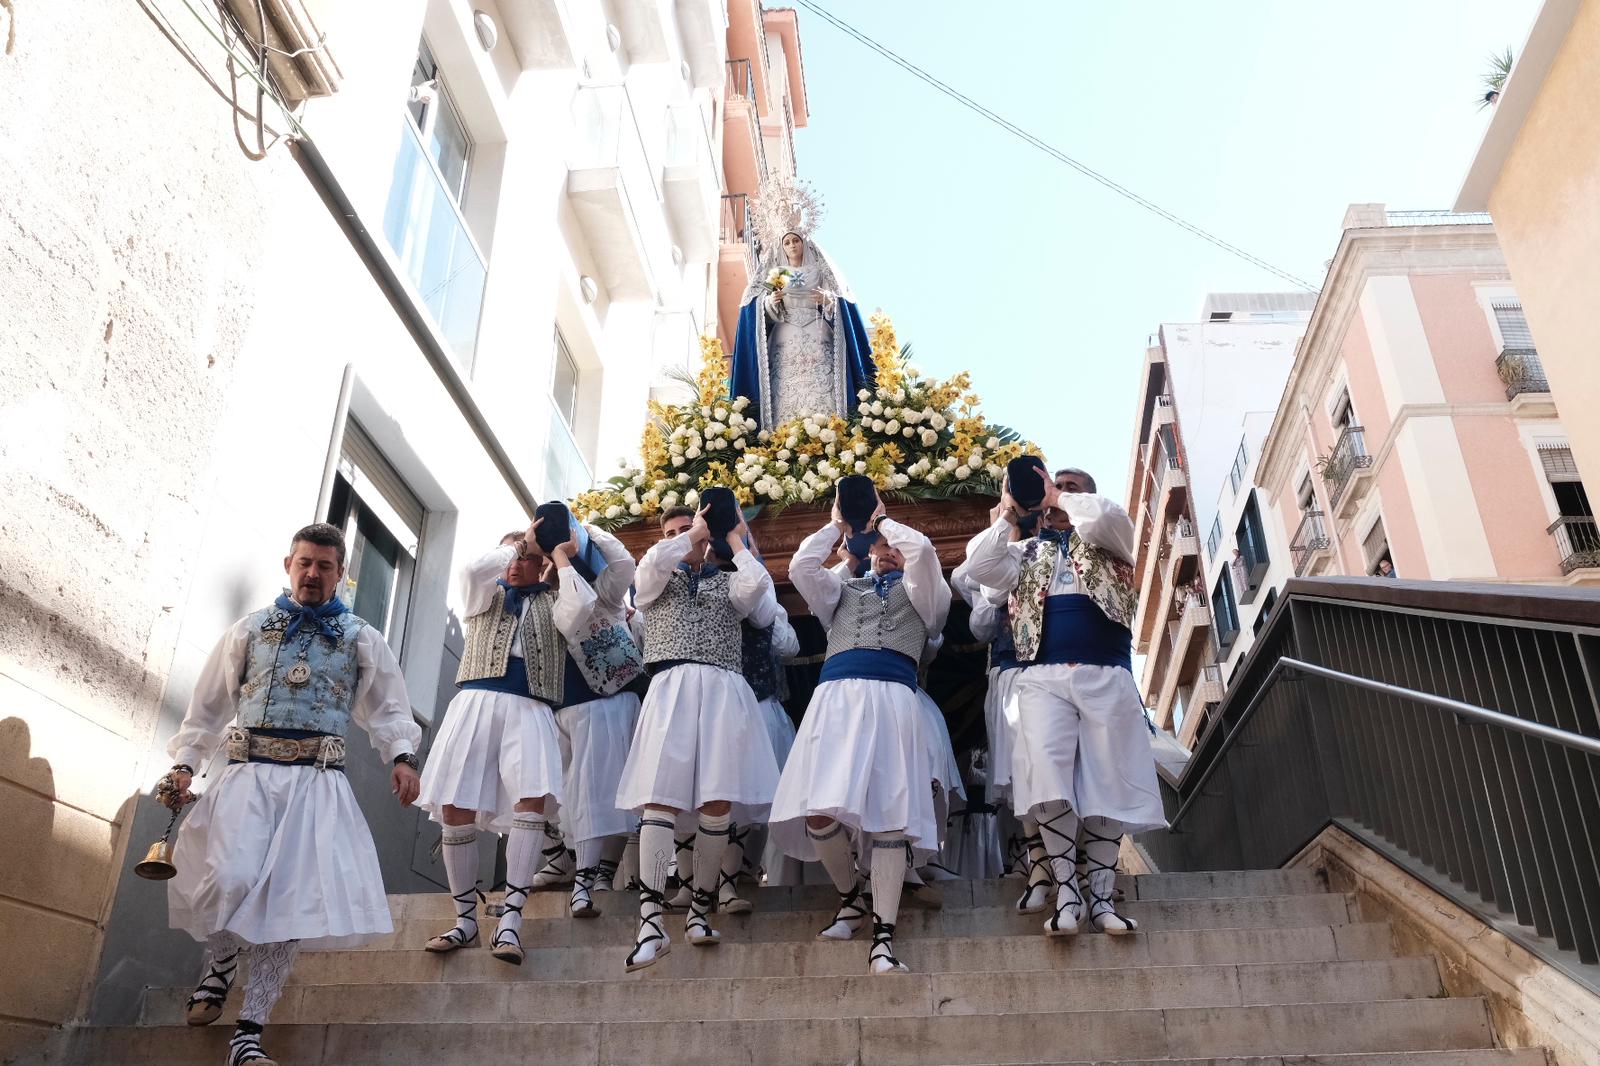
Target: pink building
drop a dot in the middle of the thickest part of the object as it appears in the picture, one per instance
(1416, 427)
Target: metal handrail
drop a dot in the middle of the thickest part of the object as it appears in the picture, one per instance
(1576, 741)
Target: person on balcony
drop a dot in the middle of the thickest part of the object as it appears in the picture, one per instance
(861, 767)
(276, 855)
(800, 348)
(1083, 748)
(700, 744)
(496, 764)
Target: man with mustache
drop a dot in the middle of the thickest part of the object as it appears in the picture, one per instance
(276, 854)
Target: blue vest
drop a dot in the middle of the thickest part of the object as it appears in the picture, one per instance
(322, 704)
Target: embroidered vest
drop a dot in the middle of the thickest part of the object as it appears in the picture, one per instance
(697, 627)
(864, 619)
(760, 665)
(544, 652)
(1103, 577)
(321, 704)
(608, 658)
(1003, 649)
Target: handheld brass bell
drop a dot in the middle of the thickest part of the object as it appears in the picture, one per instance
(157, 864)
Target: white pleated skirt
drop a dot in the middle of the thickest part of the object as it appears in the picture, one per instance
(273, 853)
(594, 749)
(1082, 738)
(1000, 725)
(861, 757)
(493, 750)
(941, 752)
(780, 729)
(701, 739)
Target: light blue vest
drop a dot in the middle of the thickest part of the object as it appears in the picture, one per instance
(267, 699)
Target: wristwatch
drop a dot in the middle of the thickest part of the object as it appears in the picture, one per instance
(876, 522)
(410, 760)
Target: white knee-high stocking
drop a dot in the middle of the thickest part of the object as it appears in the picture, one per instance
(833, 851)
(1058, 828)
(460, 850)
(888, 877)
(655, 859)
(1102, 843)
(522, 860)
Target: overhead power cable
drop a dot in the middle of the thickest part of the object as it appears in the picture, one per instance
(1049, 149)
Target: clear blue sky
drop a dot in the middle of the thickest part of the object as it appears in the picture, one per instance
(1259, 121)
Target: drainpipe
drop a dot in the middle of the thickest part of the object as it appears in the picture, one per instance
(330, 466)
(412, 315)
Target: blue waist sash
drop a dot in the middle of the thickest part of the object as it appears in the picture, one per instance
(575, 687)
(1078, 631)
(514, 682)
(870, 664)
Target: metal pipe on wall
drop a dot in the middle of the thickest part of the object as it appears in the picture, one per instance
(330, 466)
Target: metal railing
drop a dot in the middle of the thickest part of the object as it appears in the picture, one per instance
(1578, 541)
(1348, 456)
(1521, 371)
(1310, 538)
(1454, 728)
(736, 227)
(1437, 218)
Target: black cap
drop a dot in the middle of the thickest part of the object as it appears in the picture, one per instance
(1025, 480)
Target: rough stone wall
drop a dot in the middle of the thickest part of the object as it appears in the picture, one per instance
(128, 220)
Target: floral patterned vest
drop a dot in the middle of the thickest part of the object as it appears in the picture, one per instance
(1104, 578)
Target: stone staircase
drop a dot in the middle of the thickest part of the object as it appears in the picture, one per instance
(1258, 968)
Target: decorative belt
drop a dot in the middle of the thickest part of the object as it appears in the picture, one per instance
(325, 752)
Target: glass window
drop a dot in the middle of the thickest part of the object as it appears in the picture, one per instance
(1225, 613)
(442, 130)
(564, 382)
(1241, 463)
(1252, 536)
(1214, 539)
(382, 521)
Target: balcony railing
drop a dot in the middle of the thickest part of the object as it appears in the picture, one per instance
(1578, 542)
(1521, 371)
(736, 227)
(436, 250)
(1437, 218)
(1449, 727)
(1310, 538)
(1349, 455)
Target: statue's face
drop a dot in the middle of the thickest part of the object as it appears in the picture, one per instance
(794, 248)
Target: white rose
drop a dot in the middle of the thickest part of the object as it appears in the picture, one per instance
(891, 427)
(715, 429)
(675, 448)
(901, 480)
(785, 453)
(992, 443)
(977, 454)
(938, 421)
(691, 497)
(693, 452)
(863, 395)
(899, 395)
(909, 431)
(993, 470)
(705, 412)
(963, 472)
(677, 460)
(950, 462)
(614, 511)
(764, 436)
(847, 454)
(629, 495)
(929, 438)
(781, 467)
(861, 467)
(935, 476)
(634, 509)
(877, 425)
(828, 436)
(594, 516)
(740, 444)
(806, 494)
(719, 445)
(683, 479)
(652, 496)
(877, 407)
(741, 402)
(721, 413)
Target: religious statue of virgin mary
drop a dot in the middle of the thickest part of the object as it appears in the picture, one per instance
(801, 348)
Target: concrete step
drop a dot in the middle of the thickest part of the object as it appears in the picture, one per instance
(1462, 1057)
(957, 894)
(1175, 947)
(911, 995)
(619, 921)
(1181, 1033)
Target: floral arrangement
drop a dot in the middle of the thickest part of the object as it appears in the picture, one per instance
(917, 438)
(778, 279)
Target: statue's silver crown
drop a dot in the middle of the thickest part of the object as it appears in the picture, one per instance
(786, 205)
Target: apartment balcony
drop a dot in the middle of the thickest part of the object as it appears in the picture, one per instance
(1176, 563)
(1577, 542)
(1521, 372)
(1190, 644)
(1348, 465)
(1248, 570)
(1183, 555)
(541, 33)
(1209, 689)
(1309, 543)
(608, 157)
(744, 153)
(1165, 412)
(645, 28)
(692, 182)
(703, 29)
(1172, 489)
(434, 247)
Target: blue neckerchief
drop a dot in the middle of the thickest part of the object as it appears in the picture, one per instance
(321, 617)
(588, 561)
(883, 584)
(515, 594)
(706, 570)
(1056, 536)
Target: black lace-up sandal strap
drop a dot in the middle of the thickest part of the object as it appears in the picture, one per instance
(213, 987)
(882, 942)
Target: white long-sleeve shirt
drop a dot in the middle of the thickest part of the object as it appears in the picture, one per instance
(381, 708)
(749, 586)
(924, 578)
(785, 641)
(575, 599)
(611, 587)
(994, 559)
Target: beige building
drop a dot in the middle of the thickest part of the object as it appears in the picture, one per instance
(1537, 173)
(1417, 435)
(497, 226)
